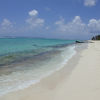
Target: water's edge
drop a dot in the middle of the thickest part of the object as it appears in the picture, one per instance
(72, 51)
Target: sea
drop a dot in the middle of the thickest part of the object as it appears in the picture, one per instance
(25, 61)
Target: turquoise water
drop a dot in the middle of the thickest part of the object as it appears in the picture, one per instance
(27, 44)
(25, 61)
(20, 48)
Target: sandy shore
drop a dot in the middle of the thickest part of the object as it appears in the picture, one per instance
(79, 80)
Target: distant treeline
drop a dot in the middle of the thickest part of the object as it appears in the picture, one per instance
(96, 37)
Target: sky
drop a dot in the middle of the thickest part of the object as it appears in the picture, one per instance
(65, 19)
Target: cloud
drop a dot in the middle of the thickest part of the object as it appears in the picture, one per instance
(33, 12)
(6, 23)
(6, 26)
(90, 2)
(34, 21)
(94, 26)
(61, 25)
(76, 26)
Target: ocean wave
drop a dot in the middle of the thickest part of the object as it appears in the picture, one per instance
(33, 70)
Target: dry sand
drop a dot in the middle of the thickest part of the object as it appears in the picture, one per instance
(79, 80)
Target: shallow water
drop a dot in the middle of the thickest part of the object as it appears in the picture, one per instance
(25, 61)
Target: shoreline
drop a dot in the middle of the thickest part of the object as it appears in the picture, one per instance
(26, 84)
(61, 84)
(58, 74)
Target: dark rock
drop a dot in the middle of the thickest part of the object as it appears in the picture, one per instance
(79, 42)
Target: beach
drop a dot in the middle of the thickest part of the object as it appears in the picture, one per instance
(79, 81)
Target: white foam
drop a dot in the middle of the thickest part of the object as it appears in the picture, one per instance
(23, 79)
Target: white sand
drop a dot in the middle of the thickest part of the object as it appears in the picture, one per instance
(81, 83)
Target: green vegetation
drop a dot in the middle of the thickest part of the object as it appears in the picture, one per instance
(96, 37)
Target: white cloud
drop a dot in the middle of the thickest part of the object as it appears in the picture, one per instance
(61, 28)
(90, 2)
(34, 21)
(76, 26)
(61, 25)
(6, 26)
(33, 12)
(94, 26)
